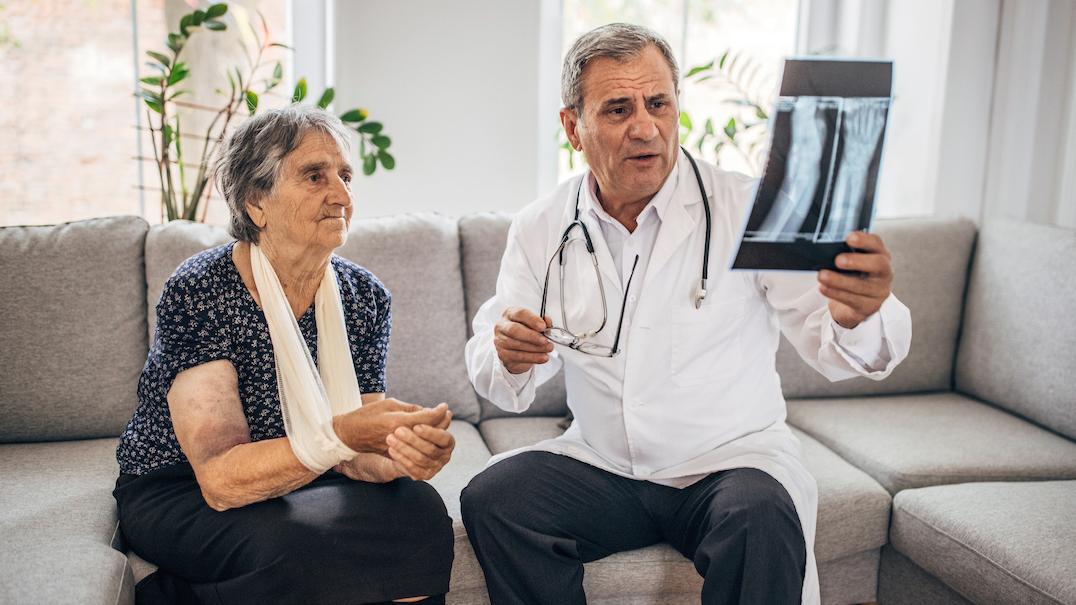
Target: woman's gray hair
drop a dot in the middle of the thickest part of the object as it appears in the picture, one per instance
(620, 41)
(249, 162)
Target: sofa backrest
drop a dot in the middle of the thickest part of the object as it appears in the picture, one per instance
(417, 257)
(1018, 347)
(74, 337)
(482, 237)
(930, 268)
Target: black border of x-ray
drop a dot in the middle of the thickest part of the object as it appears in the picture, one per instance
(818, 77)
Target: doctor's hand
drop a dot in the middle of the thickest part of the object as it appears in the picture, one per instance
(519, 341)
(853, 297)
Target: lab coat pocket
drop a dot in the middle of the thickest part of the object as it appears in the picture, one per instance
(706, 346)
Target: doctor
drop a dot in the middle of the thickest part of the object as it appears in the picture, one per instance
(679, 431)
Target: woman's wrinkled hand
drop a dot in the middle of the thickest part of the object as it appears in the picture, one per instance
(371, 468)
(423, 450)
(365, 430)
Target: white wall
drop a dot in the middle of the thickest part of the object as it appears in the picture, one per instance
(457, 87)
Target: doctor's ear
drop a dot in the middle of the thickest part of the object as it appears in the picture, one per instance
(570, 121)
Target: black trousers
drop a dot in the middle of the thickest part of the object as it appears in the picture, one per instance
(536, 517)
(332, 541)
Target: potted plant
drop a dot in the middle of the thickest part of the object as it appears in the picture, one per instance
(184, 194)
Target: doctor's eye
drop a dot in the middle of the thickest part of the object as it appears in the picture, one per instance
(313, 177)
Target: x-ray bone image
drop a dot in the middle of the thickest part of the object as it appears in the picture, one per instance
(818, 186)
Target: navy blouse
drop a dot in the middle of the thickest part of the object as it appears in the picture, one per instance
(206, 313)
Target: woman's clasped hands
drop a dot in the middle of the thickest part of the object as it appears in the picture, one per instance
(395, 439)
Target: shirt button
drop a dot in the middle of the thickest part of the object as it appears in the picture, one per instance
(631, 298)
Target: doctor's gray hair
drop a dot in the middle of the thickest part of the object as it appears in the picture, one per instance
(620, 41)
(248, 166)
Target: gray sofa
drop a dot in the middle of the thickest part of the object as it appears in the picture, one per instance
(952, 481)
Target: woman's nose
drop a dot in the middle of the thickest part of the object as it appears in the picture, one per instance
(340, 193)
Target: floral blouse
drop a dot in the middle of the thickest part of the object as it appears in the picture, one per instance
(206, 313)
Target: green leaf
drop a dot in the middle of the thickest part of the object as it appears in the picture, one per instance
(280, 45)
(381, 141)
(216, 26)
(326, 98)
(186, 22)
(721, 62)
(217, 10)
(178, 73)
(175, 43)
(152, 80)
(386, 159)
(761, 114)
(300, 91)
(278, 75)
(369, 164)
(699, 69)
(252, 101)
(730, 128)
(197, 17)
(354, 116)
(160, 57)
(685, 121)
(157, 66)
(177, 93)
(168, 135)
(151, 95)
(152, 104)
(708, 128)
(370, 128)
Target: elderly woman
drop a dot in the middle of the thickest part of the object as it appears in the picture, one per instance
(264, 463)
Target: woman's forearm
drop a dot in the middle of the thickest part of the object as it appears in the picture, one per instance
(252, 472)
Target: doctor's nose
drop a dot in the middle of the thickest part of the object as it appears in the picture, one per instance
(643, 127)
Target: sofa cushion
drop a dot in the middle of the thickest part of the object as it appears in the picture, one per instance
(74, 337)
(914, 441)
(59, 489)
(1018, 346)
(429, 331)
(482, 242)
(853, 510)
(993, 542)
(901, 582)
(930, 265)
(74, 570)
(57, 513)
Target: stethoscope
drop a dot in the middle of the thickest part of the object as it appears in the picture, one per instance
(700, 294)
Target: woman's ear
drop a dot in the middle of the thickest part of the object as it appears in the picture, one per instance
(256, 214)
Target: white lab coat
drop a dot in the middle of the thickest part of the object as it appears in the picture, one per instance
(695, 390)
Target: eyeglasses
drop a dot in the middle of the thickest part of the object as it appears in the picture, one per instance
(563, 335)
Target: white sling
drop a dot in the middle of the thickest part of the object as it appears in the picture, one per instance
(309, 400)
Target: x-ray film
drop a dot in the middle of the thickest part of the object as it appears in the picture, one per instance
(820, 179)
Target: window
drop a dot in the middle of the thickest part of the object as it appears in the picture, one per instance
(752, 36)
(71, 146)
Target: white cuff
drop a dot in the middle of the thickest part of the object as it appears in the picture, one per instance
(516, 382)
(865, 344)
